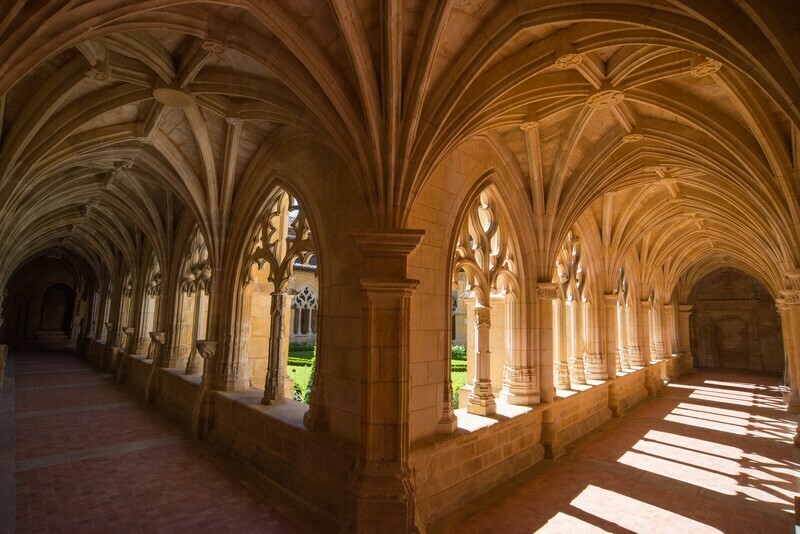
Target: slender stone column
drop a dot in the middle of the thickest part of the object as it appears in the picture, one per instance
(202, 414)
(668, 316)
(622, 336)
(562, 377)
(520, 379)
(612, 334)
(635, 356)
(383, 486)
(273, 389)
(546, 294)
(687, 360)
(575, 332)
(481, 400)
(659, 335)
(594, 356)
(646, 331)
(789, 351)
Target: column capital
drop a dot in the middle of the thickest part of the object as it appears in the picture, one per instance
(790, 296)
(668, 307)
(158, 337)
(547, 291)
(387, 251)
(781, 306)
(388, 286)
(685, 308)
(611, 301)
(207, 349)
(647, 305)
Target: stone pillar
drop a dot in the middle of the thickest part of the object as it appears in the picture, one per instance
(659, 334)
(520, 378)
(635, 356)
(273, 389)
(646, 331)
(481, 400)
(622, 336)
(594, 356)
(575, 332)
(562, 377)
(687, 360)
(546, 294)
(611, 332)
(157, 343)
(234, 371)
(202, 414)
(670, 337)
(789, 351)
(383, 487)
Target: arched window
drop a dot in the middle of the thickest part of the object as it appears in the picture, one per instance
(281, 240)
(484, 265)
(192, 306)
(124, 320)
(570, 315)
(149, 314)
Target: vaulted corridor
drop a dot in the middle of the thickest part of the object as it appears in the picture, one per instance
(711, 452)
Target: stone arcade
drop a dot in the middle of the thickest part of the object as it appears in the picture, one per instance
(594, 198)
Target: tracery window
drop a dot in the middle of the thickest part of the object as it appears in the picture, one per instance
(304, 311)
(152, 294)
(281, 240)
(195, 286)
(571, 314)
(484, 265)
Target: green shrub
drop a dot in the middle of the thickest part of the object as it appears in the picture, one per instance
(458, 352)
(458, 367)
(310, 385)
(459, 380)
(302, 347)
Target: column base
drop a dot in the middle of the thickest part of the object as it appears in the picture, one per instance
(383, 501)
(519, 399)
(481, 406)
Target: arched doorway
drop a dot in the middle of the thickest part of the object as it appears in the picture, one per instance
(58, 301)
(735, 324)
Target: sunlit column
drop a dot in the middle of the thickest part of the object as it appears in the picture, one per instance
(635, 356)
(669, 336)
(612, 335)
(520, 380)
(273, 389)
(481, 400)
(560, 337)
(622, 336)
(593, 356)
(546, 295)
(576, 366)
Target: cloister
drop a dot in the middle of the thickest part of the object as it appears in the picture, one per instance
(595, 199)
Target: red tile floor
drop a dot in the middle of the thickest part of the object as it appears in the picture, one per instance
(90, 459)
(712, 453)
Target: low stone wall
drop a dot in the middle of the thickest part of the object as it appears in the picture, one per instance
(139, 370)
(314, 465)
(631, 388)
(454, 469)
(177, 394)
(582, 412)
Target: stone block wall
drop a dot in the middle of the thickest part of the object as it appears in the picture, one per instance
(580, 413)
(177, 394)
(452, 470)
(273, 440)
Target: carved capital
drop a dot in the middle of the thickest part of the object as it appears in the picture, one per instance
(158, 337)
(632, 138)
(128, 330)
(547, 291)
(207, 349)
(483, 316)
(646, 305)
(790, 296)
(234, 121)
(611, 302)
(530, 125)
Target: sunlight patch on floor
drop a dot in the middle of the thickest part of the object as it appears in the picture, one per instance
(633, 514)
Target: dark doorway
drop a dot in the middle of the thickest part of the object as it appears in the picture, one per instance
(735, 324)
(57, 304)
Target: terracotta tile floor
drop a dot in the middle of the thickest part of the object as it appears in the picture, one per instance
(89, 459)
(711, 453)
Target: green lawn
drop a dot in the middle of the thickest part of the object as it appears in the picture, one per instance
(300, 375)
